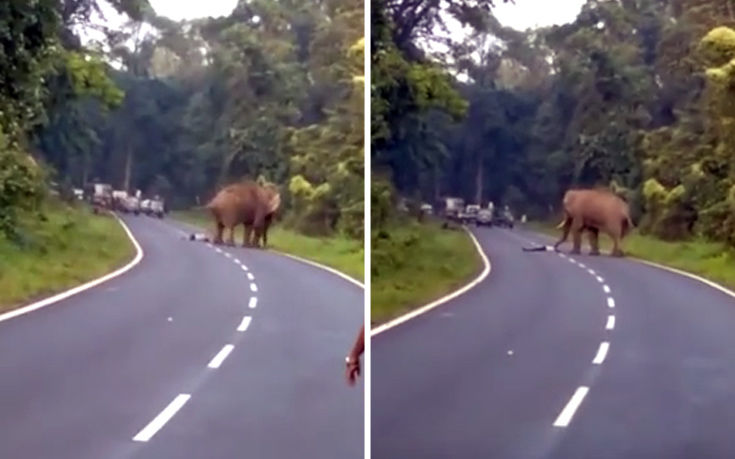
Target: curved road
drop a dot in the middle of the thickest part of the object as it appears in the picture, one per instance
(558, 357)
(175, 359)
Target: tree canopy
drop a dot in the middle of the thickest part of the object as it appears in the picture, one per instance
(633, 95)
(271, 91)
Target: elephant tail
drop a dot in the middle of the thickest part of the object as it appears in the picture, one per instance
(627, 226)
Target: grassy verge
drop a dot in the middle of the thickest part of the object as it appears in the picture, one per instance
(413, 264)
(70, 247)
(340, 253)
(712, 260)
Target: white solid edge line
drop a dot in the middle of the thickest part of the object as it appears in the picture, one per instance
(708, 282)
(253, 302)
(321, 266)
(163, 417)
(406, 317)
(221, 356)
(601, 353)
(250, 276)
(565, 417)
(610, 301)
(606, 288)
(244, 324)
(80, 288)
(610, 323)
(253, 287)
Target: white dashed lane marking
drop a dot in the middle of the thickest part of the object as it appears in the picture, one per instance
(601, 353)
(571, 407)
(244, 324)
(250, 276)
(253, 302)
(221, 356)
(159, 421)
(253, 287)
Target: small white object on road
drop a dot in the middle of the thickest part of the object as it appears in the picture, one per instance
(221, 356)
(610, 302)
(253, 287)
(565, 417)
(159, 421)
(601, 353)
(610, 323)
(244, 324)
(253, 302)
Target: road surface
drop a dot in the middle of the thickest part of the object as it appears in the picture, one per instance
(176, 359)
(593, 358)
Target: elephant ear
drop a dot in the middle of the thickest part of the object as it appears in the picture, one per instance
(274, 202)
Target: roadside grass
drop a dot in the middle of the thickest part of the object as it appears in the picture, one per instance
(338, 252)
(711, 260)
(413, 264)
(70, 247)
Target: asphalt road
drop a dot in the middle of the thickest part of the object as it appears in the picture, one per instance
(494, 372)
(83, 377)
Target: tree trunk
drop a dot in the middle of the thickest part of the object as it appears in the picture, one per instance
(128, 168)
(478, 183)
(730, 10)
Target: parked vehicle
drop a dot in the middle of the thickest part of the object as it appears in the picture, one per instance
(157, 207)
(484, 218)
(470, 214)
(131, 204)
(504, 219)
(145, 206)
(453, 208)
(427, 209)
(101, 197)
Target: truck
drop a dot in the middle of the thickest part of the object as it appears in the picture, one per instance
(157, 208)
(101, 197)
(453, 207)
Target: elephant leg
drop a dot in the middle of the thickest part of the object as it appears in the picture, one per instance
(246, 237)
(594, 241)
(565, 234)
(231, 239)
(617, 251)
(219, 228)
(577, 228)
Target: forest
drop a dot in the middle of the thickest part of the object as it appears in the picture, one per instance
(274, 91)
(634, 95)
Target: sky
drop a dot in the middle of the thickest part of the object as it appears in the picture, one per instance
(525, 14)
(191, 9)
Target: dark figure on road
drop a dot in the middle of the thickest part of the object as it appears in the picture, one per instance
(353, 359)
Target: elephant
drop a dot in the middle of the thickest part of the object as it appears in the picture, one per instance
(248, 204)
(595, 210)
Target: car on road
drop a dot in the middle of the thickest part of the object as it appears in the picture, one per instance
(469, 215)
(157, 208)
(484, 218)
(504, 219)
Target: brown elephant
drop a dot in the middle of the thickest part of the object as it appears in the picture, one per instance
(595, 210)
(248, 204)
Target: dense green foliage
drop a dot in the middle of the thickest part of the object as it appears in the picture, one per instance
(636, 95)
(274, 90)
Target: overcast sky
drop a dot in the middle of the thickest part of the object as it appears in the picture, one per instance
(525, 14)
(191, 9)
